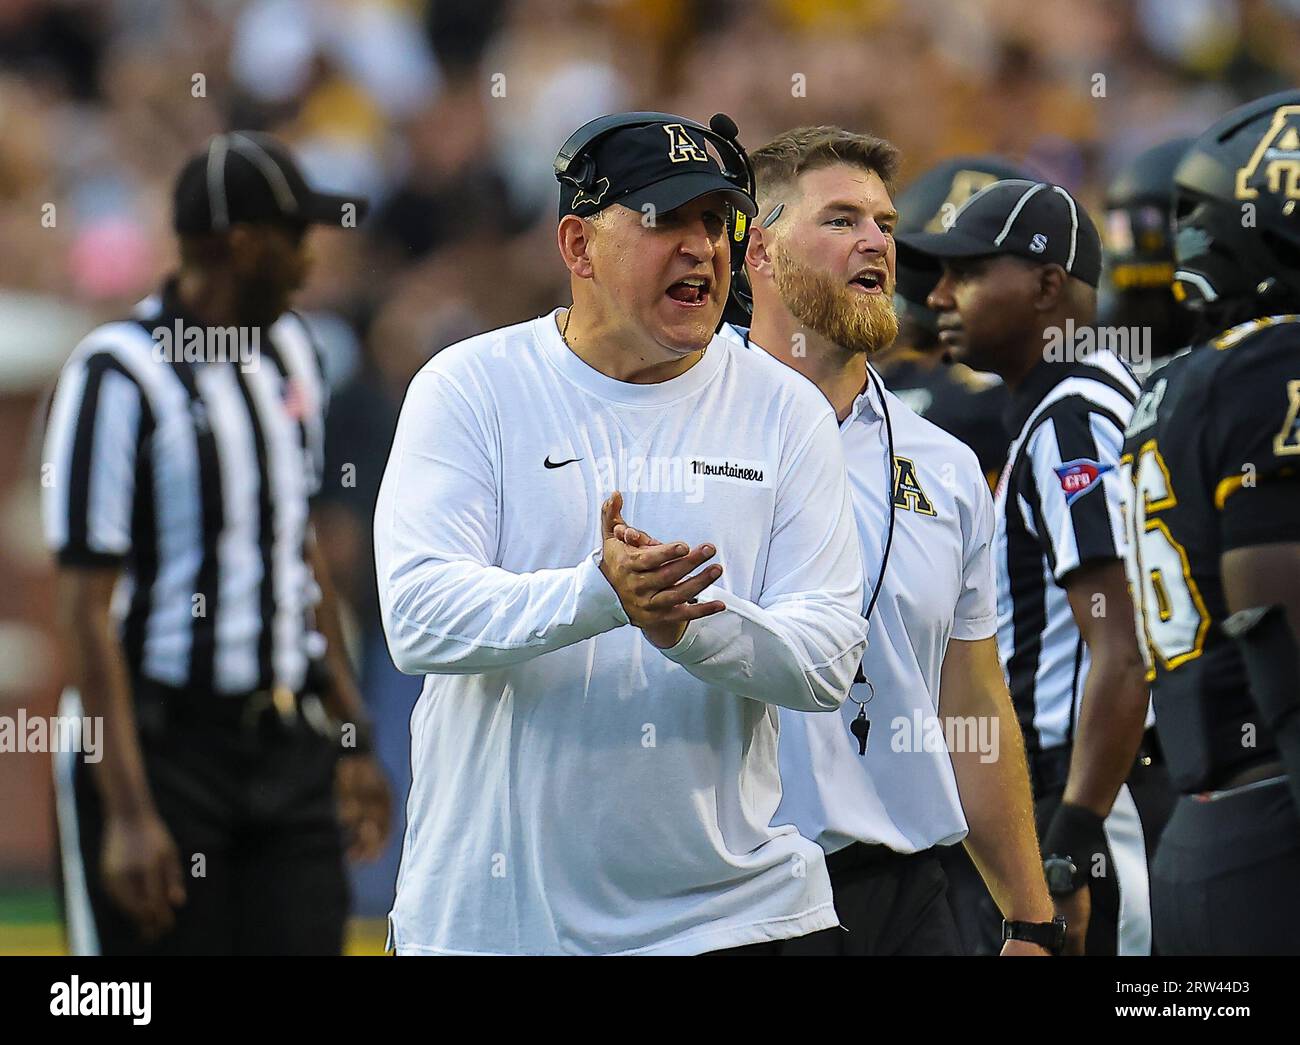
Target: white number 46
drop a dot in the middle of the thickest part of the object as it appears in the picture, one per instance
(1172, 619)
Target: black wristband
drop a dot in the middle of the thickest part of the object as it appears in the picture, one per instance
(1048, 935)
(1077, 833)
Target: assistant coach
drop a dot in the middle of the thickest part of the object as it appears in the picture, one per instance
(581, 785)
(183, 446)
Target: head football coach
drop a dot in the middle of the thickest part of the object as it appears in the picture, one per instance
(183, 447)
(594, 751)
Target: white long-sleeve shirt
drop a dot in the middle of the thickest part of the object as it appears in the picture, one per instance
(574, 788)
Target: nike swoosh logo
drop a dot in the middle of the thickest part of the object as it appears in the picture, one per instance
(559, 464)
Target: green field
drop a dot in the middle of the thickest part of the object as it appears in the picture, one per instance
(29, 924)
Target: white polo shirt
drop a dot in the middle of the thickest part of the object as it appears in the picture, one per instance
(939, 585)
(574, 789)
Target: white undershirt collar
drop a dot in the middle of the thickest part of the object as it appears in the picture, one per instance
(587, 377)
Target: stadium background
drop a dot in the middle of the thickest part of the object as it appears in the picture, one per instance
(448, 115)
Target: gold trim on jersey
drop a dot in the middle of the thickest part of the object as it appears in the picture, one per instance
(1162, 596)
(1202, 629)
(1164, 608)
(1165, 503)
(1226, 488)
(1287, 440)
(1128, 488)
(1235, 335)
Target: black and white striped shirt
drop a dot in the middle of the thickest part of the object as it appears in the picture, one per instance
(1057, 507)
(194, 476)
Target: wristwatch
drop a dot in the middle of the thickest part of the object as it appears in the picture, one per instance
(1048, 935)
(1063, 878)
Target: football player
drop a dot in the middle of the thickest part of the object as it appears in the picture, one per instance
(1137, 283)
(1211, 473)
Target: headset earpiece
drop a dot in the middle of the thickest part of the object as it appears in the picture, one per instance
(581, 173)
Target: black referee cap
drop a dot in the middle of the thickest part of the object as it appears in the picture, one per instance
(927, 205)
(245, 176)
(1030, 219)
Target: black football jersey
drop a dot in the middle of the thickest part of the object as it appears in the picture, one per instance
(1211, 462)
(962, 403)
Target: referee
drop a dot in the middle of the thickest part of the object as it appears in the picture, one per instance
(1021, 263)
(182, 449)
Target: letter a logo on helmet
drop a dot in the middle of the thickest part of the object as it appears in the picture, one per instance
(1274, 165)
(965, 183)
(682, 148)
(1226, 268)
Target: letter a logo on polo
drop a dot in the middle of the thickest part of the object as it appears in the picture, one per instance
(1079, 476)
(682, 148)
(907, 488)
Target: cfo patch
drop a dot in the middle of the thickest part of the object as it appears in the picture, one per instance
(1079, 476)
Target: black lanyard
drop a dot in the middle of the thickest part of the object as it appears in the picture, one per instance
(889, 493)
(861, 725)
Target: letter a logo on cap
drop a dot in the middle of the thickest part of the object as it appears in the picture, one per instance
(682, 147)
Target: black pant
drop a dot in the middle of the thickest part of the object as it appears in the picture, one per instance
(979, 922)
(249, 803)
(890, 903)
(977, 915)
(1226, 879)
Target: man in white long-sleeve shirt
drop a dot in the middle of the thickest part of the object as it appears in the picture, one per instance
(594, 752)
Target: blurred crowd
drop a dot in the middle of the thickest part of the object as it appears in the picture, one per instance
(448, 113)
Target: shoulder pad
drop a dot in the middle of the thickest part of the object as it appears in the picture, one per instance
(1235, 335)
